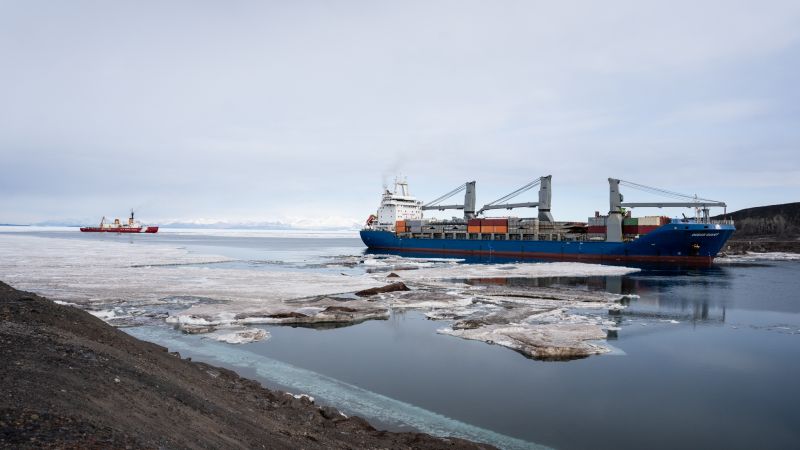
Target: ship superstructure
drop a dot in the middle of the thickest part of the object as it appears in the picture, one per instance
(397, 205)
(616, 236)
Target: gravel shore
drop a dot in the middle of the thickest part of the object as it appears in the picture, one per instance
(69, 380)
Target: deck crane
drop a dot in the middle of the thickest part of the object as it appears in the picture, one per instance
(469, 200)
(614, 221)
(545, 197)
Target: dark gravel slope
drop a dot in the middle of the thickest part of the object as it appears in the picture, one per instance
(69, 380)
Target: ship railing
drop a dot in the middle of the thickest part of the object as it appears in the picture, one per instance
(700, 220)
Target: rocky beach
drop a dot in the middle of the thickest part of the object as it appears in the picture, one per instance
(69, 380)
(772, 228)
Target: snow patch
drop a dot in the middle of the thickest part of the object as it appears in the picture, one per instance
(756, 256)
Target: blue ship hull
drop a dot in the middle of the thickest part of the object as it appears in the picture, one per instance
(674, 243)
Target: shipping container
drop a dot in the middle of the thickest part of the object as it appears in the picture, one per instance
(501, 229)
(638, 230)
(597, 221)
(650, 220)
(474, 229)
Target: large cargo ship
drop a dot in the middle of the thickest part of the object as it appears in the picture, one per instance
(614, 237)
(132, 226)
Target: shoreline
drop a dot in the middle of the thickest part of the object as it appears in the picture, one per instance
(760, 245)
(71, 380)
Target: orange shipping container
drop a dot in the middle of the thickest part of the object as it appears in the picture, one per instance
(487, 229)
(474, 229)
(501, 229)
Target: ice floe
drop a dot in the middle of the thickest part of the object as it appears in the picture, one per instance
(439, 269)
(240, 335)
(756, 256)
(543, 323)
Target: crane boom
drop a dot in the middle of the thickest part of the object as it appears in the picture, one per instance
(545, 196)
(511, 206)
(673, 204)
(469, 200)
(616, 203)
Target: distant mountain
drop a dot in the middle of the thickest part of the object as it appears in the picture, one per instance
(320, 224)
(226, 225)
(773, 221)
(66, 223)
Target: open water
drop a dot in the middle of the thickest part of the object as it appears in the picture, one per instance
(704, 357)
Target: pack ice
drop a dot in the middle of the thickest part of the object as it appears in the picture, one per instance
(189, 291)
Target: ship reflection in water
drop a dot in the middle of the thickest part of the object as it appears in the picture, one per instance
(646, 296)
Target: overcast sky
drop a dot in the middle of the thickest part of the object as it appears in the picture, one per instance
(300, 110)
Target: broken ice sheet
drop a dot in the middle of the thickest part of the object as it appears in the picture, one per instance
(238, 335)
(155, 276)
(168, 282)
(757, 256)
(539, 323)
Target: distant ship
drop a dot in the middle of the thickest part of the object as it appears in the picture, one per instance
(614, 237)
(117, 227)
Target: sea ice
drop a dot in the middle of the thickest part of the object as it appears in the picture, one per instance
(118, 281)
(238, 335)
(758, 256)
(537, 323)
(101, 273)
(519, 270)
(543, 341)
